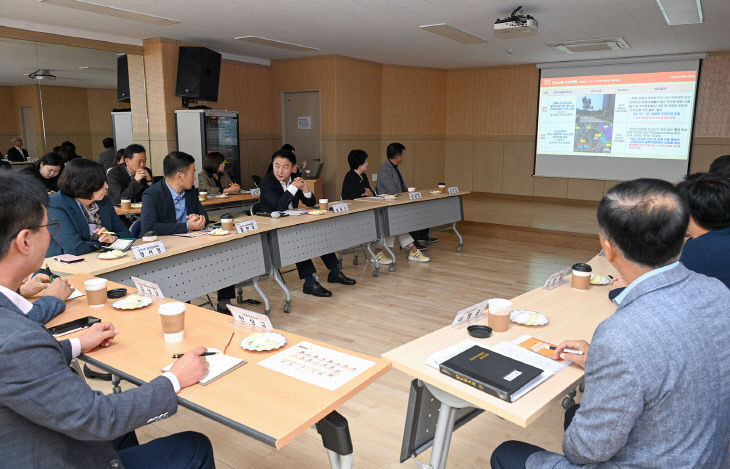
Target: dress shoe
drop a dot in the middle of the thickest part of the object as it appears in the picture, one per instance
(339, 277)
(432, 240)
(317, 290)
(91, 374)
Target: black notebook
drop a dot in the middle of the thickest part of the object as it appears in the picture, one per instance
(490, 372)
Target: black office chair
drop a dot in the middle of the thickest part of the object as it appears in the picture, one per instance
(256, 180)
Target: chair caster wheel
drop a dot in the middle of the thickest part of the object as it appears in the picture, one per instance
(459, 248)
(567, 402)
(582, 387)
(355, 261)
(391, 268)
(287, 308)
(376, 273)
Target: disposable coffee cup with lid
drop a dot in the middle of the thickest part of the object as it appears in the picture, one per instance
(227, 222)
(172, 316)
(581, 278)
(149, 236)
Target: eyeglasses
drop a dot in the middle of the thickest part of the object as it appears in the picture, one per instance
(53, 226)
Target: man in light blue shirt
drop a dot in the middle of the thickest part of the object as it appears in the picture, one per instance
(657, 372)
(178, 200)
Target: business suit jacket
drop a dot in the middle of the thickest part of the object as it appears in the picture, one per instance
(207, 183)
(73, 236)
(107, 157)
(17, 155)
(49, 417)
(657, 381)
(275, 199)
(158, 209)
(388, 180)
(124, 186)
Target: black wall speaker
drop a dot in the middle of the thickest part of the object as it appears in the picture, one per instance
(122, 79)
(198, 71)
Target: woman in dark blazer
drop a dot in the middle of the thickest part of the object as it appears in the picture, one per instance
(213, 179)
(356, 182)
(84, 210)
(47, 170)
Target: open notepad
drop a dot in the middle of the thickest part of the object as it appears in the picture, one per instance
(220, 365)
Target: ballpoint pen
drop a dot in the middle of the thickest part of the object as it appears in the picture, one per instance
(204, 354)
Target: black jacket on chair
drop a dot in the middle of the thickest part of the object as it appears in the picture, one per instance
(124, 186)
(275, 199)
(158, 210)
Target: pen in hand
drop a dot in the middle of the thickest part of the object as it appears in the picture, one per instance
(568, 350)
(50, 274)
(204, 354)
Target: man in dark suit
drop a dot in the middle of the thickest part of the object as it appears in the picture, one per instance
(17, 153)
(130, 179)
(172, 206)
(49, 417)
(282, 190)
(106, 158)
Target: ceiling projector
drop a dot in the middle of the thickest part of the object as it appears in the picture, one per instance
(516, 25)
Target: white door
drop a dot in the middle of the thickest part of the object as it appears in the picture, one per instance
(301, 122)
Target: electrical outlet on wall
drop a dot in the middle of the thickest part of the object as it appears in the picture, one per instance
(375, 177)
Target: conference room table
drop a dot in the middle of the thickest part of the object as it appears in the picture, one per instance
(189, 267)
(252, 399)
(434, 208)
(572, 314)
(233, 201)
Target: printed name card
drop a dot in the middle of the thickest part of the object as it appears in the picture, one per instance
(148, 250)
(246, 226)
(256, 192)
(556, 279)
(414, 195)
(339, 208)
(453, 190)
(250, 318)
(468, 315)
(147, 288)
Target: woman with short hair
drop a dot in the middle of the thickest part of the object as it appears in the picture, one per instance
(85, 213)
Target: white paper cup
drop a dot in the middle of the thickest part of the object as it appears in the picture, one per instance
(126, 204)
(411, 189)
(203, 195)
(96, 292)
(324, 204)
(172, 316)
(499, 311)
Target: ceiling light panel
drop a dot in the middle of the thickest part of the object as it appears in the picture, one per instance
(111, 11)
(450, 32)
(274, 43)
(681, 11)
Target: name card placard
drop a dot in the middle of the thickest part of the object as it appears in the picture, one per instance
(246, 226)
(250, 318)
(453, 190)
(339, 208)
(556, 279)
(256, 192)
(148, 249)
(414, 195)
(469, 314)
(147, 288)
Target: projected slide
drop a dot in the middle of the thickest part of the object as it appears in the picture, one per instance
(638, 115)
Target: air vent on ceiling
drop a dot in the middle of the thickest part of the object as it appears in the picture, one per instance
(112, 11)
(455, 34)
(590, 45)
(274, 43)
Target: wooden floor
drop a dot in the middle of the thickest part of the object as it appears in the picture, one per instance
(377, 315)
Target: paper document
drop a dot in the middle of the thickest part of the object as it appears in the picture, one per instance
(294, 212)
(76, 294)
(219, 365)
(317, 365)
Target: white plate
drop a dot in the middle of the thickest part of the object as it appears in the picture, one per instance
(528, 318)
(220, 196)
(132, 302)
(598, 279)
(137, 205)
(110, 255)
(262, 341)
(219, 232)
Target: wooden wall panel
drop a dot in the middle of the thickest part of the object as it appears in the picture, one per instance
(413, 100)
(429, 163)
(517, 169)
(550, 187)
(713, 97)
(459, 164)
(488, 166)
(100, 104)
(66, 117)
(358, 97)
(316, 73)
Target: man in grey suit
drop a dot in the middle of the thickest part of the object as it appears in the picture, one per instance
(49, 417)
(107, 157)
(657, 372)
